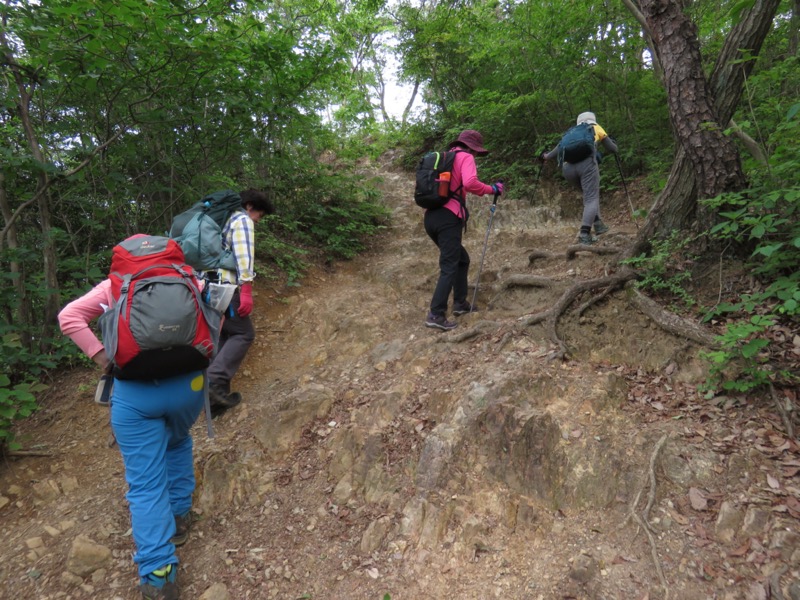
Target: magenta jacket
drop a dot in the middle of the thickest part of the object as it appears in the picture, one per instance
(465, 172)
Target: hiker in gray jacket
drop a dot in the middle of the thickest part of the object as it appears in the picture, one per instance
(585, 173)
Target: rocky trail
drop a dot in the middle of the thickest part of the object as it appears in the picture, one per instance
(373, 458)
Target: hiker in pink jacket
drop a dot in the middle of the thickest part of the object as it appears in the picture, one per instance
(151, 420)
(445, 227)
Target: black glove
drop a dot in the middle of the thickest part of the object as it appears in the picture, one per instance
(497, 188)
(542, 157)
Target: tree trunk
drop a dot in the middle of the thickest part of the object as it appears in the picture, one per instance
(676, 206)
(714, 156)
(21, 313)
(52, 297)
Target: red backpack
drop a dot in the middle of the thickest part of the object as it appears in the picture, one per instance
(158, 326)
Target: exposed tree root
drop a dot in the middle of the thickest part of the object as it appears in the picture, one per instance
(642, 519)
(540, 254)
(594, 300)
(616, 236)
(550, 316)
(599, 250)
(785, 417)
(20, 453)
(522, 280)
(478, 328)
(669, 321)
(503, 341)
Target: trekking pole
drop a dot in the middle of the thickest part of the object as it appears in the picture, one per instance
(483, 256)
(207, 405)
(536, 182)
(625, 187)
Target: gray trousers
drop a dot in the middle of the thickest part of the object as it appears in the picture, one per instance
(235, 340)
(585, 175)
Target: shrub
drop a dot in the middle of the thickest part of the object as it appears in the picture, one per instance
(665, 270)
(763, 220)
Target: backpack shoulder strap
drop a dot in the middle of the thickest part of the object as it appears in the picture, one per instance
(456, 193)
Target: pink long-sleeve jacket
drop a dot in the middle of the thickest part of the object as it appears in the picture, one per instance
(465, 173)
(75, 317)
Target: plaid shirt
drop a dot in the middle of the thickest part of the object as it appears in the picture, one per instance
(239, 234)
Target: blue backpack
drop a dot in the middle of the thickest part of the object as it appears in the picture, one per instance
(577, 144)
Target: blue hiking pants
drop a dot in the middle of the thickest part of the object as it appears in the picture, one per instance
(151, 421)
(445, 229)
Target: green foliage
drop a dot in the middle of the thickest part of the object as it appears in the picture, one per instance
(337, 213)
(741, 363)
(521, 72)
(666, 270)
(322, 209)
(17, 401)
(272, 247)
(762, 220)
(769, 223)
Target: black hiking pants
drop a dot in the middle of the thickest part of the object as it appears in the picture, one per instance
(445, 229)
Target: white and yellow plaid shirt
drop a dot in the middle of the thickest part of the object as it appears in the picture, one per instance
(239, 235)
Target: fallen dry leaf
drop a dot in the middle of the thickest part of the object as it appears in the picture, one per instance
(619, 559)
(679, 518)
(741, 550)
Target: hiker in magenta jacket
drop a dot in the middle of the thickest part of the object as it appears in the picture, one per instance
(151, 421)
(445, 226)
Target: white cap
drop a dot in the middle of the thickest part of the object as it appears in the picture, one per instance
(587, 117)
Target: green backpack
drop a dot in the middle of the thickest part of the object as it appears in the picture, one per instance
(198, 231)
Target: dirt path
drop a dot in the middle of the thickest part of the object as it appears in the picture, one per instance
(372, 456)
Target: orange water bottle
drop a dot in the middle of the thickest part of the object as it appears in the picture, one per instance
(444, 184)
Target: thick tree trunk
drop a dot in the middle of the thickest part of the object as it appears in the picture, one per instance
(713, 155)
(676, 207)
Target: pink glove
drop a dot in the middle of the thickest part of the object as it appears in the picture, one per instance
(245, 299)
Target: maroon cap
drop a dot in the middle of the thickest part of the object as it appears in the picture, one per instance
(472, 140)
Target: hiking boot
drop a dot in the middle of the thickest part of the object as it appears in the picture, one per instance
(182, 526)
(439, 322)
(161, 584)
(221, 406)
(220, 396)
(462, 308)
(222, 387)
(600, 228)
(586, 239)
